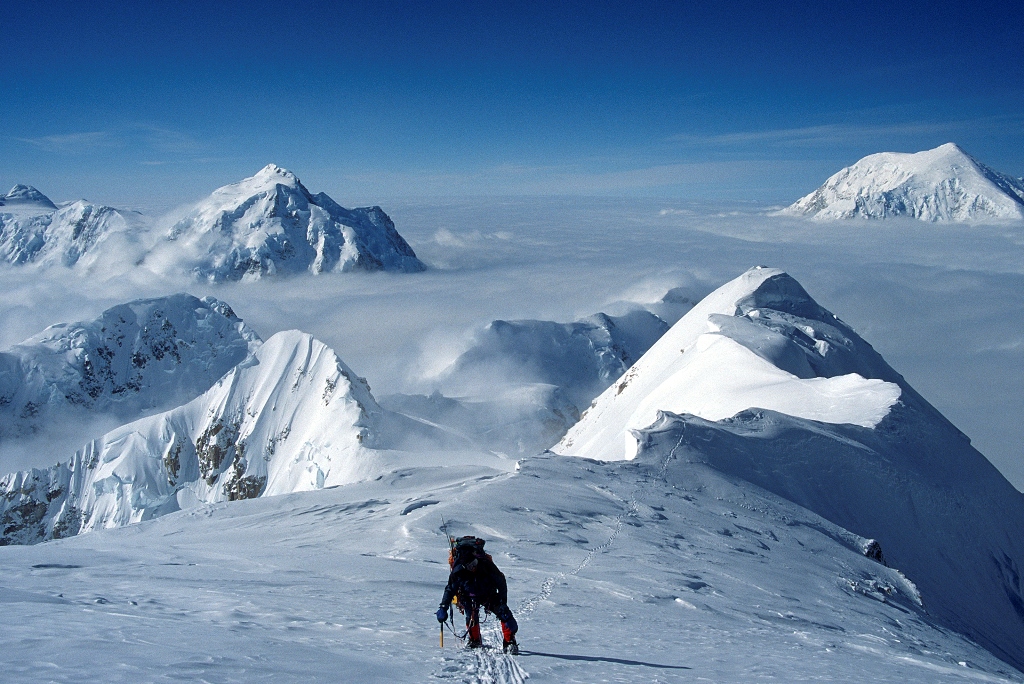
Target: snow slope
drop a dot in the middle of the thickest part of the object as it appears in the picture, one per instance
(33, 229)
(270, 223)
(581, 358)
(758, 341)
(943, 184)
(649, 570)
(520, 384)
(762, 383)
(146, 355)
(292, 418)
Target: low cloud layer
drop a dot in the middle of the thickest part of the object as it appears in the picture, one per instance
(939, 302)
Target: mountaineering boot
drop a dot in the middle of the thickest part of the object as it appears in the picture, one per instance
(510, 647)
(474, 640)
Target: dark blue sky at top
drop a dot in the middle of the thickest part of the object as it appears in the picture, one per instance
(161, 102)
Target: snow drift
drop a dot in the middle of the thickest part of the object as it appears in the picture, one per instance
(293, 418)
(761, 383)
(943, 184)
(270, 223)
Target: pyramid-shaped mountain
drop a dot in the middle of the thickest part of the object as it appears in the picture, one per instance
(270, 223)
(943, 184)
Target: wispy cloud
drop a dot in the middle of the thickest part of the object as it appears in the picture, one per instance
(72, 143)
(831, 134)
(144, 136)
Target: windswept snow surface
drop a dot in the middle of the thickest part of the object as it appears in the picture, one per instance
(761, 382)
(651, 570)
(943, 184)
(292, 418)
(270, 223)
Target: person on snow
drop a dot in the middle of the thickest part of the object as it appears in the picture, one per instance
(476, 582)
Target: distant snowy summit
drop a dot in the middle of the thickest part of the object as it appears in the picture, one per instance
(35, 230)
(26, 196)
(944, 184)
(270, 223)
(149, 354)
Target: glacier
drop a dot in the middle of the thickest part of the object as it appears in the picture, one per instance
(943, 184)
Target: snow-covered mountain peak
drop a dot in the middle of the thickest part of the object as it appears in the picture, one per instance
(942, 184)
(293, 417)
(267, 180)
(270, 223)
(149, 354)
(762, 383)
(27, 196)
(759, 341)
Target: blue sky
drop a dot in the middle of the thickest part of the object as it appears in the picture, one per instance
(161, 102)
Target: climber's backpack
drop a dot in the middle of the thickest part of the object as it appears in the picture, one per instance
(467, 552)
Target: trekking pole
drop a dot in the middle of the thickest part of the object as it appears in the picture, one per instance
(451, 549)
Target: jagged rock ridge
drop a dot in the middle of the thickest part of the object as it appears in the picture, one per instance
(270, 223)
(943, 184)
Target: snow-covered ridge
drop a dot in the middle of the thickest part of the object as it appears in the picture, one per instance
(943, 184)
(270, 223)
(758, 341)
(35, 230)
(293, 418)
(145, 355)
(765, 385)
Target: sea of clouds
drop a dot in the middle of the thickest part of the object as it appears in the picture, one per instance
(940, 302)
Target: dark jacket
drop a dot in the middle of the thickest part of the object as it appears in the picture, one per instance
(484, 585)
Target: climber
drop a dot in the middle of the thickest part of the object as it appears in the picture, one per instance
(476, 582)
